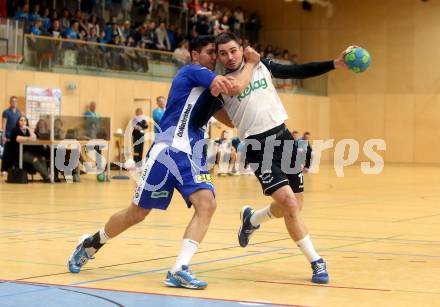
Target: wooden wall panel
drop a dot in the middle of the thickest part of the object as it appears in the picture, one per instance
(427, 129)
(399, 127)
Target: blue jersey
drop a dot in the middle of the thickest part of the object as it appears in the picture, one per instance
(189, 106)
(187, 101)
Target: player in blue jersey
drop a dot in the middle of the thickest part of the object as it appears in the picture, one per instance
(176, 161)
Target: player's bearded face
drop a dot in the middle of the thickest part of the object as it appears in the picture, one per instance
(230, 55)
(208, 57)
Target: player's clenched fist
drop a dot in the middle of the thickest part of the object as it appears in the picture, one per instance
(251, 56)
(219, 85)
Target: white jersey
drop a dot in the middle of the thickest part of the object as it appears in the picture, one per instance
(259, 108)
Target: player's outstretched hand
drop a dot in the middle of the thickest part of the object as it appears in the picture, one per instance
(219, 85)
(251, 56)
(339, 61)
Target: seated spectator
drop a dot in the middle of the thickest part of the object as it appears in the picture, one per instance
(58, 131)
(37, 28)
(31, 156)
(55, 30)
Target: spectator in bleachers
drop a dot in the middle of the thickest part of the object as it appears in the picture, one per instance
(126, 30)
(163, 43)
(181, 55)
(83, 23)
(46, 20)
(224, 24)
(93, 23)
(171, 38)
(72, 32)
(149, 37)
(239, 21)
(65, 20)
(23, 13)
(204, 18)
(37, 28)
(35, 14)
(179, 36)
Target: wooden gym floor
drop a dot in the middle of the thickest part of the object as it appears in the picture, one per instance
(378, 233)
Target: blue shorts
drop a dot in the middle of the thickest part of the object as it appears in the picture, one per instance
(166, 169)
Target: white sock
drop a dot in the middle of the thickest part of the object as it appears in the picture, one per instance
(103, 236)
(189, 248)
(306, 246)
(261, 216)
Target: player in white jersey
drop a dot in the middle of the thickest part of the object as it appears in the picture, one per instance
(259, 116)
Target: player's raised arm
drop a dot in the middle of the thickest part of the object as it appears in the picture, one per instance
(302, 71)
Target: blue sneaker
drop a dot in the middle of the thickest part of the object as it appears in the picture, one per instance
(320, 275)
(80, 256)
(246, 228)
(184, 279)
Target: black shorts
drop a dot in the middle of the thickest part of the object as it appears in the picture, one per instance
(280, 168)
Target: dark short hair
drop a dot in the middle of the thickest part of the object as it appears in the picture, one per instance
(199, 42)
(226, 37)
(294, 131)
(17, 123)
(306, 133)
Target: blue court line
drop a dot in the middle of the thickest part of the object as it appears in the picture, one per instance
(59, 295)
(149, 271)
(167, 268)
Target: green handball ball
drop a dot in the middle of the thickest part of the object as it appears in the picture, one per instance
(101, 177)
(357, 59)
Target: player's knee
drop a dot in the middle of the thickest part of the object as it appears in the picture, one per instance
(207, 207)
(290, 205)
